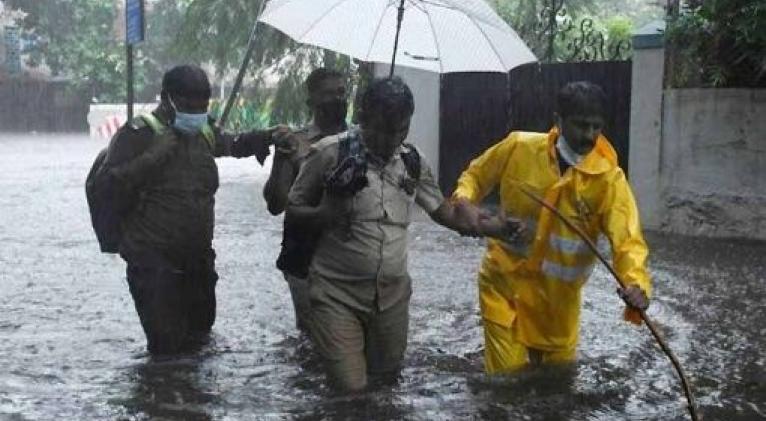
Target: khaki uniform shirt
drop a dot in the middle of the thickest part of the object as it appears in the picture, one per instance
(364, 251)
(305, 137)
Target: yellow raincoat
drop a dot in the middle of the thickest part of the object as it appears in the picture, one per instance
(533, 287)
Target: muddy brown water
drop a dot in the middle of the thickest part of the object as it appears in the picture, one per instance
(71, 346)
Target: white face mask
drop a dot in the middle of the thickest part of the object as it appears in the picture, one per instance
(567, 153)
(188, 122)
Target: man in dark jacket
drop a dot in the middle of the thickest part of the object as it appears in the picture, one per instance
(160, 177)
(327, 99)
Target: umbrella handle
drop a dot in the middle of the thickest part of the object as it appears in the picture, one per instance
(399, 19)
(242, 69)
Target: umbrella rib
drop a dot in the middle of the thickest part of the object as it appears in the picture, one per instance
(377, 30)
(276, 8)
(463, 11)
(416, 4)
(436, 40)
(497, 54)
(324, 15)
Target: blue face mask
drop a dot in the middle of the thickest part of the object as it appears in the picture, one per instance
(187, 122)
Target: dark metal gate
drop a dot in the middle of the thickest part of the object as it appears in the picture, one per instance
(479, 109)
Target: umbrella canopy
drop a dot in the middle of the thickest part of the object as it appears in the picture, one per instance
(436, 35)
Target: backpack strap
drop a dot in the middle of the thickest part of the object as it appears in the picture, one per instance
(411, 160)
(209, 136)
(349, 175)
(344, 148)
(159, 128)
(350, 146)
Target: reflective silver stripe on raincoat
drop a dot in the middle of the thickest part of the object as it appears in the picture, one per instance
(574, 246)
(566, 273)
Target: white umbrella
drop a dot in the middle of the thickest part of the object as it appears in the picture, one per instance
(436, 35)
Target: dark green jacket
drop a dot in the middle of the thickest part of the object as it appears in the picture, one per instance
(162, 184)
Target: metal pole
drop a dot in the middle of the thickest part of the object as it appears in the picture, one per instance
(242, 70)
(399, 20)
(130, 80)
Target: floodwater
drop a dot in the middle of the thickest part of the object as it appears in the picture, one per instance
(71, 346)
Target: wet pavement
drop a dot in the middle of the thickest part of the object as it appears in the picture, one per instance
(71, 346)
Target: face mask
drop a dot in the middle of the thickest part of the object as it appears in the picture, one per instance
(331, 113)
(188, 122)
(567, 153)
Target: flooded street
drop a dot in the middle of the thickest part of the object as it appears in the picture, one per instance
(71, 346)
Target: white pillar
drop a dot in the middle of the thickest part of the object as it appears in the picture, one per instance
(424, 129)
(646, 121)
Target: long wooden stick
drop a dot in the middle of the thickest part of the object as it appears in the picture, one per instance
(691, 406)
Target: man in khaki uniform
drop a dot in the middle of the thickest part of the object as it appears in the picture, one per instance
(359, 283)
(328, 102)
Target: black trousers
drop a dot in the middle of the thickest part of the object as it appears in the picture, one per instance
(175, 300)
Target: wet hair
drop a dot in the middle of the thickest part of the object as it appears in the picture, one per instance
(581, 98)
(389, 97)
(319, 75)
(188, 81)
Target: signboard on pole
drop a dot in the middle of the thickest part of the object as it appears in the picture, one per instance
(134, 33)
(13, 50)
(134, 21)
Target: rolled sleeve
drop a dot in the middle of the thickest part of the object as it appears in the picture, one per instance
(484, 172)
(309, 184)
(429, 196)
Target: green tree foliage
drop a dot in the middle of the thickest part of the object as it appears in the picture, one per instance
(218, 31)
(81, 43)
(531, 20)
(581, 30)
(719, 43)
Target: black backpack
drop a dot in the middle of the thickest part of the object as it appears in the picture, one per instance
(105, 221)
(104, 218)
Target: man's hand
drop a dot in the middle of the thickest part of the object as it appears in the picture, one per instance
(501, 227)
(473, 221)
(142, 167)
(278, 133)
(285, 143)
(634, 297)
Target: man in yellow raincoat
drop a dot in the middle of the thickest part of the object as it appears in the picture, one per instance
(530, 289)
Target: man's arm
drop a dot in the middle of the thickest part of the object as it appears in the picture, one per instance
(253, 143)
(620, 223)
(470, 220)
(132, 158)
(459, 214)
(307, 202)
(283, 173)
(484, 172)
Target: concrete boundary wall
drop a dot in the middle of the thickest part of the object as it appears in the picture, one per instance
(697, 156)
(713, 162)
